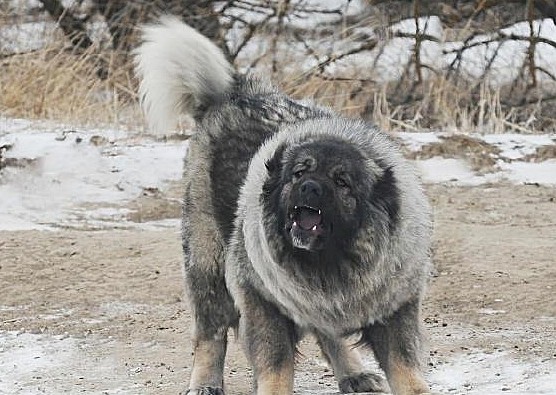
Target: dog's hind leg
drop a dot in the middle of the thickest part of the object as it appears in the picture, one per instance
(211, 304)
(348, 369)
(213, 314)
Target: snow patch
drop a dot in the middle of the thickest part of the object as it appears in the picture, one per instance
(494, 373)
(86, 177)
(543, 173)
(29, 361)
(444, 170)
(68, 171)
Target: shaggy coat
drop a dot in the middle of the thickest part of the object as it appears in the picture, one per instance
(296, 220)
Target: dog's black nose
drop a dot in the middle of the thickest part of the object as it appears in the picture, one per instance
(311, 188)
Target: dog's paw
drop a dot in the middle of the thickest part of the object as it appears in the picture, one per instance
(205, 391)
(363, 382)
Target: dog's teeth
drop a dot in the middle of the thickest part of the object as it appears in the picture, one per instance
(314, 227)
(320, 212)
(294, 223)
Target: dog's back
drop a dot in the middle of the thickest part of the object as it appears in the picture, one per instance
(182, 72)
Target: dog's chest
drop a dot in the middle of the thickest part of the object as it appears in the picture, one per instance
(334, 312)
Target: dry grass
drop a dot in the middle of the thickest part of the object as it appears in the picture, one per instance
(53, 83)
(435, 104)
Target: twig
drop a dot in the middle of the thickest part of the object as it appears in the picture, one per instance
(72, 27)
(404, 124)
(517, 127)
(532, 45)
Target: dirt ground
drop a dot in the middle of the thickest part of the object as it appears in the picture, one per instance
(103, 311)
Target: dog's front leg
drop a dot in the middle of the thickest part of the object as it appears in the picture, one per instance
(270, 341)
(348, 368)
(397, 345)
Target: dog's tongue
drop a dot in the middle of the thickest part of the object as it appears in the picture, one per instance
(308, 218)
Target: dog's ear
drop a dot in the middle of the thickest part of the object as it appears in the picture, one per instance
(271, 186)
(270, 165)
(274, 164)
(385, 194)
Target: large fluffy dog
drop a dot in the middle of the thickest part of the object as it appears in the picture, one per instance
(295, 220)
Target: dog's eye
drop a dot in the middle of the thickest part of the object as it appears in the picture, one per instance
(298, 171)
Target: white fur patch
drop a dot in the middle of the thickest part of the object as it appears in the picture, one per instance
(178, 67)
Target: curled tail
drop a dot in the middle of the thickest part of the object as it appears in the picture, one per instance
(180, 71)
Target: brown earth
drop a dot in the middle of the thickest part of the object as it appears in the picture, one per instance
(106, 309)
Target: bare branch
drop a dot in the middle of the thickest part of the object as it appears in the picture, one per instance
(72, 27)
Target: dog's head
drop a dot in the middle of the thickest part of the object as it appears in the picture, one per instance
(322, 190)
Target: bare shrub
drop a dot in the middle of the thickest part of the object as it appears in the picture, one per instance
(341, 61)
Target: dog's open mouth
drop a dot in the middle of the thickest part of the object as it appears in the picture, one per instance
(307, 218)
(306, 227)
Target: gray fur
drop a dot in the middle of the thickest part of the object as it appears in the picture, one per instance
(398, 264)
(362, 268)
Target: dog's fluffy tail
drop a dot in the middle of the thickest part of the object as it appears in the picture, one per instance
(180, 71)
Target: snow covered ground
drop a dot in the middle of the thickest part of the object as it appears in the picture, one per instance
(54, 177)
(479, 373)
(64, 170)
(512, 161)
(27, 359)
(61, 177)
